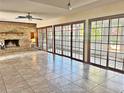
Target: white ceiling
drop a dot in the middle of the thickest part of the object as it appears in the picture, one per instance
(45, 9)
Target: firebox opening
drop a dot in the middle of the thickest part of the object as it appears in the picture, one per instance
(11, 43)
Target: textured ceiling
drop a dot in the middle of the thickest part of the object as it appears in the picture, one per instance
(63, 3)
(45, 9)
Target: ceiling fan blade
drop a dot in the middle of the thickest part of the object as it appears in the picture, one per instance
(19, 17)
(37, 18)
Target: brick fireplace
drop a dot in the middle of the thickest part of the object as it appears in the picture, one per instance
(15, 34)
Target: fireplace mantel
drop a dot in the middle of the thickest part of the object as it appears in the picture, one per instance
(12, 32)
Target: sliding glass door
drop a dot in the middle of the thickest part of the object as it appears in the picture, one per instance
(107, 42)
(45, 38)
(78, 41)
(69, 40)
(116, 44)
(99, 42)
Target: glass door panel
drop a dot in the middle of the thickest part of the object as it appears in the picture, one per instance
(44, 42)
(40, 38)
(50, 39)
(67, 40)
(99, 42)
(58, 39)
(77, 40)
(116, 42)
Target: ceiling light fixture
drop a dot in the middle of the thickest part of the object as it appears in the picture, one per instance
(28, 16)
(69, 5)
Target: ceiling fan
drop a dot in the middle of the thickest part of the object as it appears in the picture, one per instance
(28, 16)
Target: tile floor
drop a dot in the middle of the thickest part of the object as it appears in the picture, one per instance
(41, 72)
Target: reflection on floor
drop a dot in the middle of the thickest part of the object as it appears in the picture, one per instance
(41, 72)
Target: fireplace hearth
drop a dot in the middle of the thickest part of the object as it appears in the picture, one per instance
(11, 43)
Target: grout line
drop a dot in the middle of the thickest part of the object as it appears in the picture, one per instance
(3, 82)
(24, 79)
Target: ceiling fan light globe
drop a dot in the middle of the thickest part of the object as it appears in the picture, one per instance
(69, 6)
